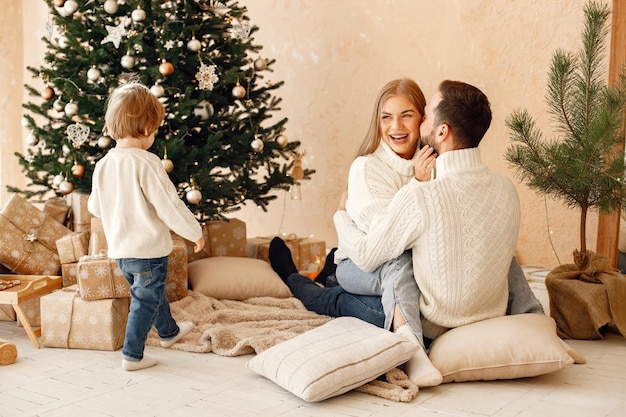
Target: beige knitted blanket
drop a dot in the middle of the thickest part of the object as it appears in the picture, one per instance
(234, 328)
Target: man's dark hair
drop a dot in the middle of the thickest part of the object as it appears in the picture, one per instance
(466, 110)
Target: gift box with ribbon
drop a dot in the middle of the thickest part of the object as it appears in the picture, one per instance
(222, 238)
(68, 321)
(99, 277)
(28, 239)
(305, 251)
(72, 247)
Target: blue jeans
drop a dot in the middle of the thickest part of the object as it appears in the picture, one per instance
(393, 282)
(148, 306)
(335, 301)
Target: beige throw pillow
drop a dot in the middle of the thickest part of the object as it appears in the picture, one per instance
(507, 347)
(334, 358)
(235, 278)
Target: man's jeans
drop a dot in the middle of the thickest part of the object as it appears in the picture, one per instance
(149, 305)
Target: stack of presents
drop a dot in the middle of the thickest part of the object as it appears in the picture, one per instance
(59, 237)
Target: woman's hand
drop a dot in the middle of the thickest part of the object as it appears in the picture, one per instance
(425, 163)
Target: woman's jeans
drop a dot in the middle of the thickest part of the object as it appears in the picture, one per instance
(148, 306)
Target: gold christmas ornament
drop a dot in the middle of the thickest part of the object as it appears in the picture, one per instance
(66, 187)
(260, 64)
(78, 170)
(58, 105)
(166, 68)
(238, 91)
(282, 140)
(257, 145)
(168, 165)
(47, 93)
(71, 109)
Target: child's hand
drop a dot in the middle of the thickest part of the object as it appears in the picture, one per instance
(424, 163)
(197, 247)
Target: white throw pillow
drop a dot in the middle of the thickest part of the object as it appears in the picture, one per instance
(334, 358)
(507, 347)
(235, 278)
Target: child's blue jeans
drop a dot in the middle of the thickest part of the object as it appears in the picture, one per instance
(148, 306)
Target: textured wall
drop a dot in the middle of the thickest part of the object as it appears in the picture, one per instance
(335, 55)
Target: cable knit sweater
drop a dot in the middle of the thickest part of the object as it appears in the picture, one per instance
(373, 181)
(138, 205)
(462, 228)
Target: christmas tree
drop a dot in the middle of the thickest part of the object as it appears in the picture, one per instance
(217, 142)
(581, 167)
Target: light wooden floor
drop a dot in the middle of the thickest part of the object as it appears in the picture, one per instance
(52, 382)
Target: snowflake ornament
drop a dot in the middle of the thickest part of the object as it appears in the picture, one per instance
(206, 76)
(116, 33)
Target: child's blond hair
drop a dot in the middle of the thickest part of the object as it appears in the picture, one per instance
(132, 111)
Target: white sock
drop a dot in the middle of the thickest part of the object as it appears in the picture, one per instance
(185, 327)
(146, 362)
(419, 368)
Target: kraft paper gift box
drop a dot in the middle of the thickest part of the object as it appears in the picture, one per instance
(222, 238)
(97, 240)
(28, 239)
(69, 273)
(81, 217)
(177, 275)
(68, 321)
(72, 247)
(99, 277)
(304, 251)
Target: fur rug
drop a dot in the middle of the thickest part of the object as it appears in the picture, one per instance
(234, 328)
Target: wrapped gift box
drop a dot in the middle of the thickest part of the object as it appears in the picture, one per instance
(68, 321)
(222, 238)
(97, 240)
(72, 247)
(28, 239)
(70, 274)
(99, 277)
(81, 217)
(177, 275)
(31, 309)
(304, 251)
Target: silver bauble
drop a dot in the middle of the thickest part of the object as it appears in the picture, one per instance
(70, 6)
(104, 142)
(58, 105)
(194, 196)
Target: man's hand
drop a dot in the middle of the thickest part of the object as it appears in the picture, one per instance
(424, 163)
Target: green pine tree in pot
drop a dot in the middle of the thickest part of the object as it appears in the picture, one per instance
(581, 166)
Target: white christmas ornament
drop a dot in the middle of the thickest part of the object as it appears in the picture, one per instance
(128, 61)
(57, 180)
(138, 15)
(111, 6)
(93, 74)
(282, 140)
(204, 110)
(58, 105)
(63, 42)
(70, 6)
(157, 90)
(194, 45)
(194, 196)
(25, 122)
(78, 134)
(257, 145)
(115, 33)
(71, 109)
(31, 139)
(104, 142)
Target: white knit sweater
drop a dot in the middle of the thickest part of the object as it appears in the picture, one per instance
(138, 205)
(373, 181)
(462, 228)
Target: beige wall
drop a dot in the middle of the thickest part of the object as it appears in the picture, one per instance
(335, 55)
